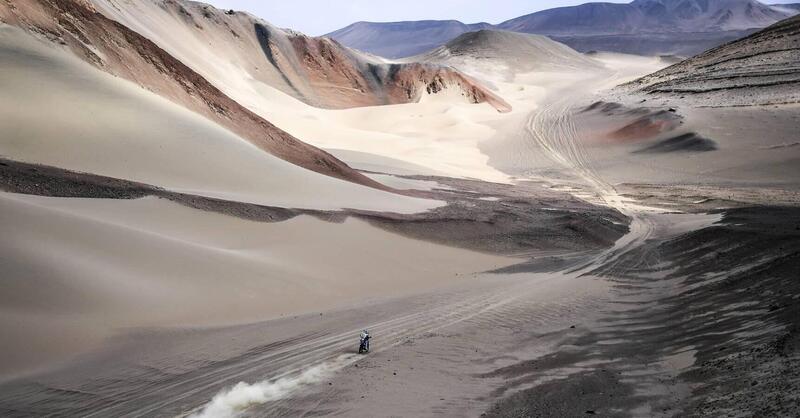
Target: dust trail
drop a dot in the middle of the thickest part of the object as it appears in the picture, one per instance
(231, 402)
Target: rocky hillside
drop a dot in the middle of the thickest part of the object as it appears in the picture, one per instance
(763, 68)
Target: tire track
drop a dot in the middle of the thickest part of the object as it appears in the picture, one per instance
(293, 359)
(554, 130)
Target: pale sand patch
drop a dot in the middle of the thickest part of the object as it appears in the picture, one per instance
(101, 265)
(626, 68)
(440, 133)
(400, 183)
(57, 110)
(381, 164)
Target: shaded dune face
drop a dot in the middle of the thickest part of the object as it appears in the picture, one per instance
(112, 47)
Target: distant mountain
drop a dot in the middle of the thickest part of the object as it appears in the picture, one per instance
(790, 6)
(758, 69)
(649, 16)
(586, 19)
(402, 39)
(673, 43)
(651, 27)
(647, 27)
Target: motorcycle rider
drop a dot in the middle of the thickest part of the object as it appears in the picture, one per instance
(364, 346)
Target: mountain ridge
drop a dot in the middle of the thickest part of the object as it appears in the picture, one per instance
(662, 27)
(409, 37)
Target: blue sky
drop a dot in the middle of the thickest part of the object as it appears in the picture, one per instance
(318, 17)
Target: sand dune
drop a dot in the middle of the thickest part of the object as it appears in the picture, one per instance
(113, 48)
(438, 135)
(59, 111)
(517, 52)
(126, 299)
(442, 133)
(102, 265)
(237, 52)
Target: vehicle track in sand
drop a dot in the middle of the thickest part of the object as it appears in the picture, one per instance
(486, 307)
(152, 390)
(553, 128)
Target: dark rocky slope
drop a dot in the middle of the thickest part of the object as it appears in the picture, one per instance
(763, 68)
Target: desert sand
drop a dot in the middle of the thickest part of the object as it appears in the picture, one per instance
(154, 141)
(592, 250)
(157, 264)
(442, 133)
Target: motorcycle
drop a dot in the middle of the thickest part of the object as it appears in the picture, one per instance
(363, 345)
